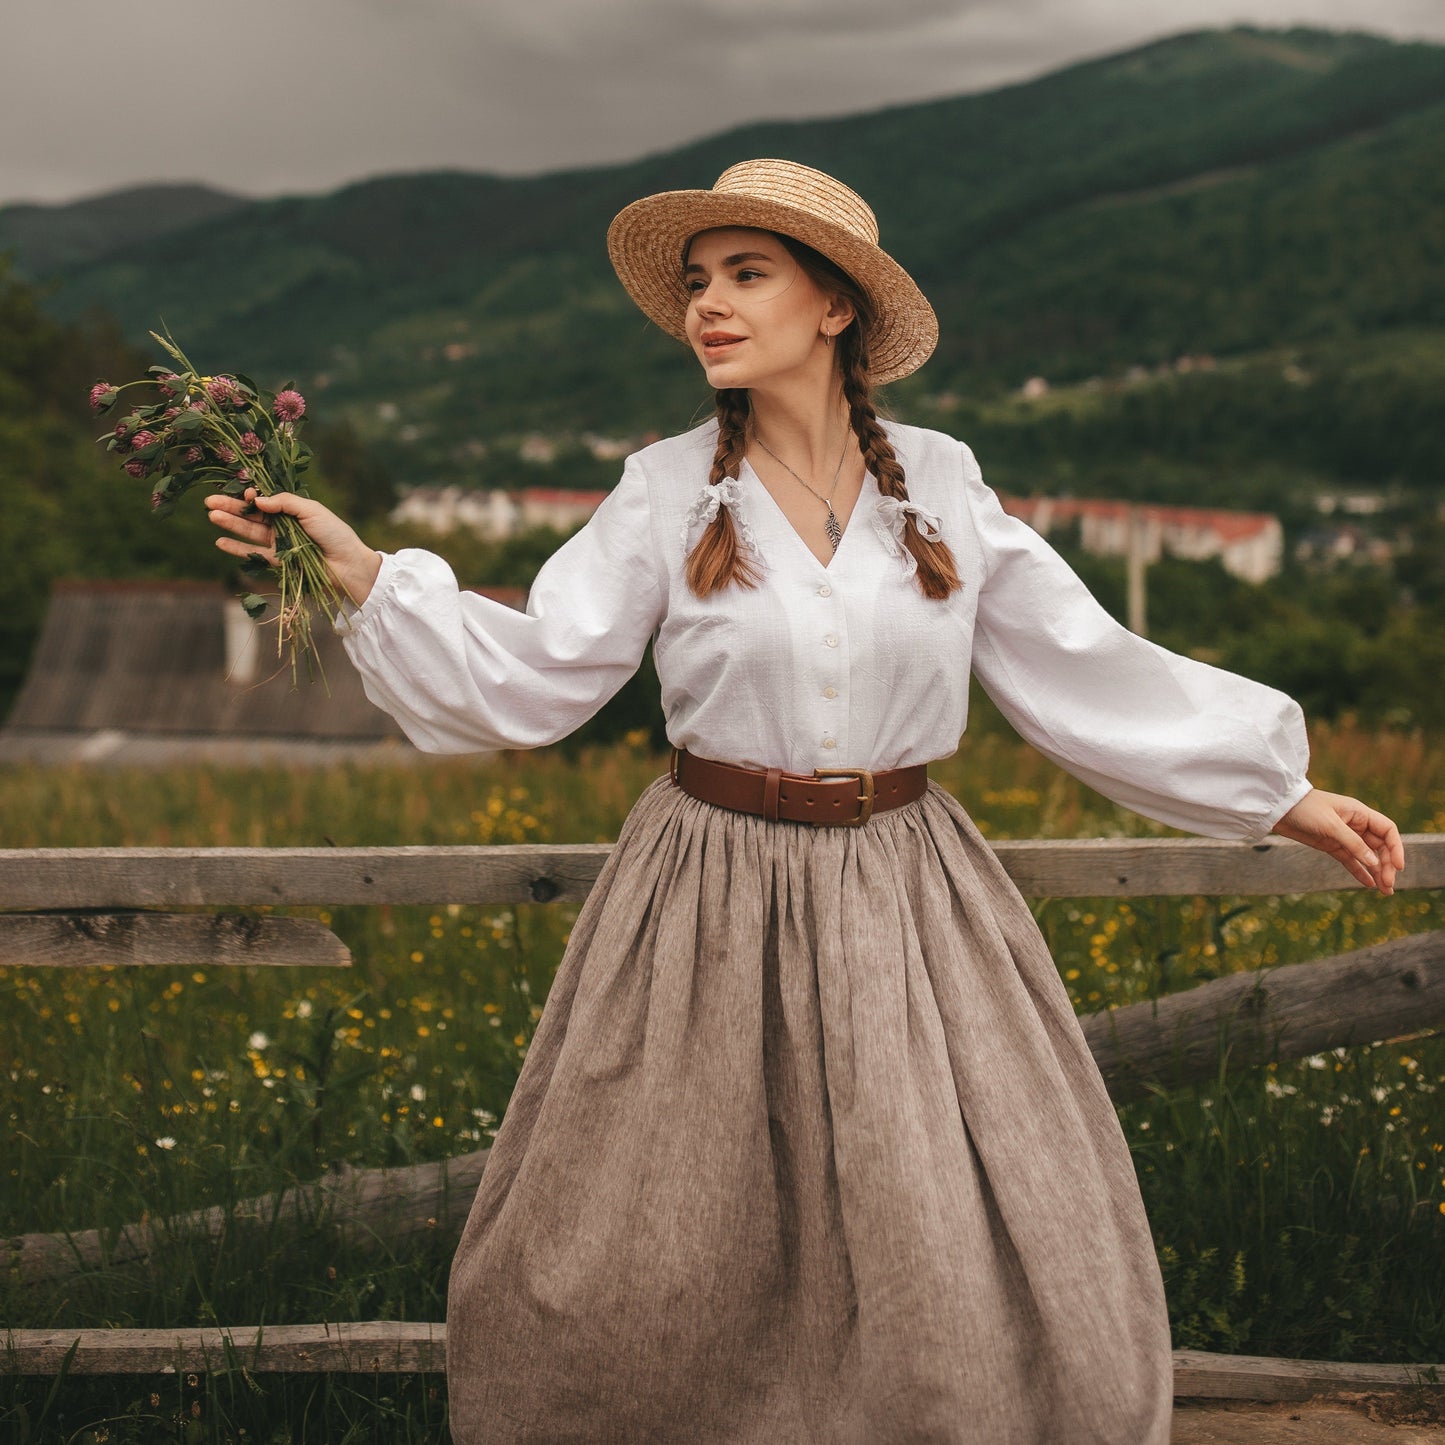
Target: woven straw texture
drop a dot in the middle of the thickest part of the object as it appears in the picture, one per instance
(646, 240)
(808, 1147)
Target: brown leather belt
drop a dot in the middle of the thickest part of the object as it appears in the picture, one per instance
(831, 797)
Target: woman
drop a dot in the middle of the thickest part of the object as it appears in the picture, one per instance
(808, 1145)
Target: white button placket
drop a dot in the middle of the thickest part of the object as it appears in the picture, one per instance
(831, 651)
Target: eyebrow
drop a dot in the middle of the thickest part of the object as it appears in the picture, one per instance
(733, 260)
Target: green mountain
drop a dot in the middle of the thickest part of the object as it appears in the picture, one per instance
(47, 238)
(1224, 250)
(1275, 199)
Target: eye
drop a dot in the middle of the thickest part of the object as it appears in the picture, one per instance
(694, 283)
(749, 273)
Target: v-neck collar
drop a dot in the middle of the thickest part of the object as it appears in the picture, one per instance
(785, 525)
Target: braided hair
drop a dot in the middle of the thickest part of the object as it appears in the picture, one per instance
(718, 559)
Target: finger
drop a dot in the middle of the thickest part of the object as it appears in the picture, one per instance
(219, 502)
(284, 502)
(1351, 850)
(1387, 846)
(262, 533)
(246, 549)
(1390, 843)
(1382, 836)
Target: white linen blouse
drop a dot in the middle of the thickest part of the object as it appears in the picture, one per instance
(843, 665)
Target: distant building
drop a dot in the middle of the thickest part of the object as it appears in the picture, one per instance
(1249, 545)
(147, 673)
(1343, 542)
(495, 513)
(543, 507)
(1356, 504)
(444, 509)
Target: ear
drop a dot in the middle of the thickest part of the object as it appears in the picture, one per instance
(839, 313)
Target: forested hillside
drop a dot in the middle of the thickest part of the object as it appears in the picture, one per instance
(66, 509)
(1225, 251)
(1261, 197)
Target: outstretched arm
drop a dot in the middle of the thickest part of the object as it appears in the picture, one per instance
(1365, 842)
(461, 672)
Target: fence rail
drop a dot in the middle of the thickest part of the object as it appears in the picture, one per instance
(114, 878)
(404, 1347)
(84, 906)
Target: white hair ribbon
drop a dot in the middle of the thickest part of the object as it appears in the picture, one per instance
(727, 493)
(893, 515)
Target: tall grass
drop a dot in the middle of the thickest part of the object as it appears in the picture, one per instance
(1298, 1210)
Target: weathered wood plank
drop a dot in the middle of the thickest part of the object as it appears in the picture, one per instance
(214, 877)
(369, 1207)
(372, 1347)
(1198, 1375)
(1278, 1013)
(389, 1346)
(173, 940)
(546, 872)
(1149, 867)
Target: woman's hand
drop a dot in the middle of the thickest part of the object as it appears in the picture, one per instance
(1366, 842)
(350, 561)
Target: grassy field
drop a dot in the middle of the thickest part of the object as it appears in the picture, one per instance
(1297, 1210)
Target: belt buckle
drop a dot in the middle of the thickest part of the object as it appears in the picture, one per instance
(865, 779)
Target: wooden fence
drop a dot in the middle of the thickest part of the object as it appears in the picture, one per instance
(80, 907)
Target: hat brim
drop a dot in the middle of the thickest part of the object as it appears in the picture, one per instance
(645, 242)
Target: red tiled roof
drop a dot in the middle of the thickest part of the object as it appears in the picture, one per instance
(553, 496)
(1228, 525)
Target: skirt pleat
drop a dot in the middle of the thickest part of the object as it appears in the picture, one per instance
(808, 1146)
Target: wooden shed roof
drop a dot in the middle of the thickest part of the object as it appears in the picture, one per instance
(151, 658)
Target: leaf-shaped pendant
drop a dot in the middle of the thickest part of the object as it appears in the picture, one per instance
(835, 532)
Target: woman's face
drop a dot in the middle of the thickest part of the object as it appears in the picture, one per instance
(754, 314)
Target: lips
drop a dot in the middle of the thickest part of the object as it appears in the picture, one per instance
(715, 342)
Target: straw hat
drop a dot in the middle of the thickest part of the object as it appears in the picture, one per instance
(646, 240)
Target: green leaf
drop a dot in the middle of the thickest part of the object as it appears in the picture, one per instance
(255, 605)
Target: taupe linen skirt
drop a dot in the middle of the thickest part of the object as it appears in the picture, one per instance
(808, 1147)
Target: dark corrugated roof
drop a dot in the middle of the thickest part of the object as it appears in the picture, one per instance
(151, 658)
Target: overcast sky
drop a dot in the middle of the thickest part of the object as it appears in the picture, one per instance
(273, 96)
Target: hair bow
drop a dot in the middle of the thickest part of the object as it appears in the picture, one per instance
(893, 515)
(726, 493)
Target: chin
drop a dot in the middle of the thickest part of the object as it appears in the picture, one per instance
(727, 374)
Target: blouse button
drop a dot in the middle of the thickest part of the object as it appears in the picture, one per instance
(830, 692)
(825, 591)
(830, 742)
(830, 641)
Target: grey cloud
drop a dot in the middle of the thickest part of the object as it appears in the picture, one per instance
(290, 97)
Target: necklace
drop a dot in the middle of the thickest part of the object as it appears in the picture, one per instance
(835, 532)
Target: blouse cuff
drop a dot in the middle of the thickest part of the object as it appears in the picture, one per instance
(1300, 790)
(353, 619)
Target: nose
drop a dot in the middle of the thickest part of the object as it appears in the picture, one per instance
(708, 300)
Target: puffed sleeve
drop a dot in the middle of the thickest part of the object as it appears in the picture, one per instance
(463, 673)
(1172, 738)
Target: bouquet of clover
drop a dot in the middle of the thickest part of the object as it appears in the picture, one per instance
(229, 434)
